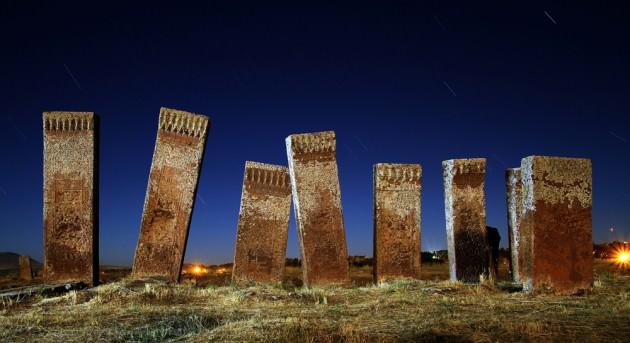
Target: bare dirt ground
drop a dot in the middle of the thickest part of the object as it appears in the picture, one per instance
(210, 309)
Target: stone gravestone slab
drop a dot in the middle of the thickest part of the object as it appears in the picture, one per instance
(26, 272)
(263, 224)
(170, 197)
(556, 224)
(468, 250)
(514, 206)
(317, 201)
(70, 197)
(397, 191)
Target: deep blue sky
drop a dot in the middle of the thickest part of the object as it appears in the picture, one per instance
(398, 81)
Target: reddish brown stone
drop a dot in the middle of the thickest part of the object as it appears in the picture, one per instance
(317, 201)
(397, 191)
(263, 224)
(464, 198)
(514, 206)
(26, 272)
(556, 224)
(170, 198)
(70, 197)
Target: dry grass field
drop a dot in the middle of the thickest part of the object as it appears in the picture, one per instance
(210, 309)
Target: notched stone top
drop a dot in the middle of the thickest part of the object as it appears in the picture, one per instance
(183, 123)
(557, 180)
(312, 143)
(68, 121)
(269, 175)
(397, 176)
(465, 166)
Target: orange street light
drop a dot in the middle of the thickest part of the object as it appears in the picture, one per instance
(622, 257)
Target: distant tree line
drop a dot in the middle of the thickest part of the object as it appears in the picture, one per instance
(439, 256)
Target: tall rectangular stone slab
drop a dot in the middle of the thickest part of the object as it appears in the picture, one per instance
(26, 271)
(317, 200)
(514, 207)
(464, 200)
(170, 197)
(263, 224)
(70, 197)
(556, 224)
(397, 191)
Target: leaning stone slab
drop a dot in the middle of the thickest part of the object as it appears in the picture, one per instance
(397, 191)
(70, 197)
(317, 201)
(26, 272)
(464, 200)
(514, 206)
(556, 224)
(170, 197)
(263, 224)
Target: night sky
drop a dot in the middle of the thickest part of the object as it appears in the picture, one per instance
(407, 82)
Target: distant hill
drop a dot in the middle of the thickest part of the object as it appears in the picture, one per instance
(11, 260)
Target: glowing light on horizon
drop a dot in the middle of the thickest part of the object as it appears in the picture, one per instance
(622, 257)
(198, 270)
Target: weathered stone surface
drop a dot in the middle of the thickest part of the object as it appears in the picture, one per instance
(70, 197)
(514, 206)
(494, 239)
(464, 200)
(317, 201)
(397, 191)
(556, 224)
(170, 197)
(263, 224)
(26, 272)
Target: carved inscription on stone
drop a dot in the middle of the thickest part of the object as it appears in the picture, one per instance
(70, 201)
(468, 250)
(556, 224)
(170, 194)
(317, 201)
(397, 191)
(263, 224)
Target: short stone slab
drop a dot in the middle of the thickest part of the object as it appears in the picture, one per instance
(464, 199)
(263, 224)
(397, 191)
(26, 272)
(317, 200)
(556, 224)
(170, 198)
(70, 197)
